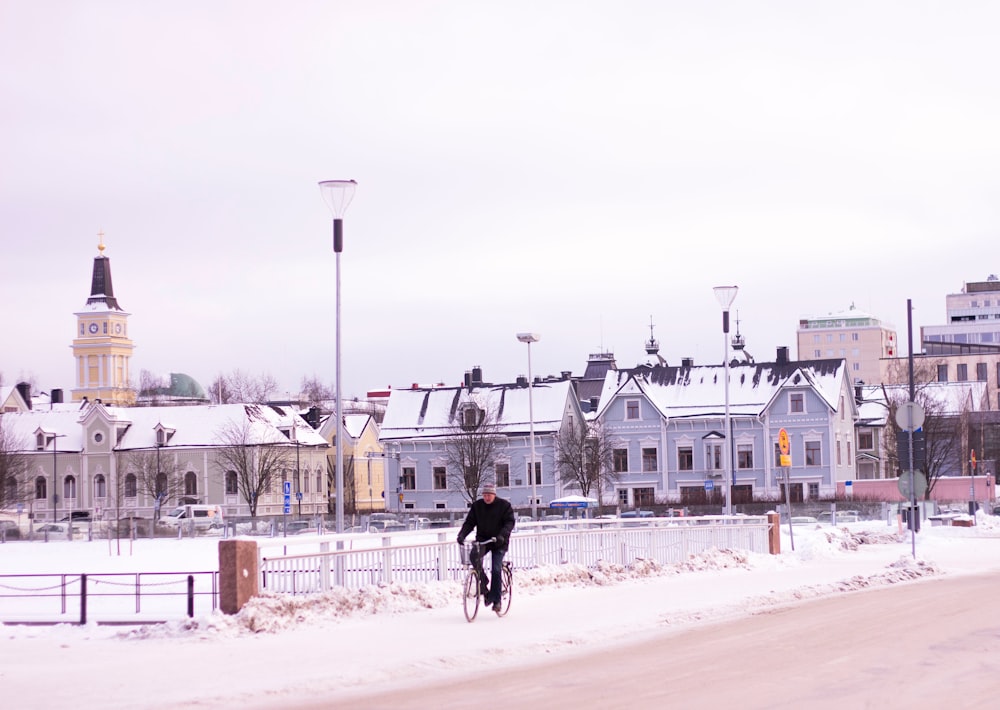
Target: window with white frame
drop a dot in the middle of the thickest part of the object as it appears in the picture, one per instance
(69, 487)
(623, 496)
(632, 409)
(538, 472)
(408, 479)
(796, 402)
(190, 484)
(501, 475)
(713, 456)
(232, 487)
(131, 485)
(649, 459)
(744, 455)
(866, 439)
(100, 486)
(685, 458)
(40, 488)
(814, 490)
(620, 460)
(440, 477)
(814, 453)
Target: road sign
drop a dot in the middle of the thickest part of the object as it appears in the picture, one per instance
(910, 416)
(783, 443)
(288, 488)
(919, 485)
(709, 485)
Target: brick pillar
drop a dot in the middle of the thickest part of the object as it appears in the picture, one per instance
(774, 533)
(238, 578)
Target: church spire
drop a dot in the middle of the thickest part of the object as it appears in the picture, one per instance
(101, 289)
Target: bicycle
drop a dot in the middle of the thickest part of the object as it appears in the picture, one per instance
(476, 580)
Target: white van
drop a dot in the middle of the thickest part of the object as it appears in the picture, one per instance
(204, 516)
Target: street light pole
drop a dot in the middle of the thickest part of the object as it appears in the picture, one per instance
(55, 494)
(726, 295)
(338, 195)
(530, 338)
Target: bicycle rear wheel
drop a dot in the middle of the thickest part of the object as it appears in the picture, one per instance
(506, 590)
(470, 595)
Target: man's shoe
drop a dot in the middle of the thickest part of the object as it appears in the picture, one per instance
(496, 607)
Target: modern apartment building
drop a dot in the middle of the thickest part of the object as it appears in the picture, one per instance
(859, 338)
(973, 316)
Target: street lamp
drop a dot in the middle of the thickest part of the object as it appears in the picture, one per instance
(338, 195)
(55, 493)
(725, 296)
(530, 338)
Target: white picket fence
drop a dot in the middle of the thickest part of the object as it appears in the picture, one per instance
(309, 564)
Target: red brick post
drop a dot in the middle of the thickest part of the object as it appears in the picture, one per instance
(238, 578)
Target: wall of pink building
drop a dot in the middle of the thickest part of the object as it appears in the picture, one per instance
(951, 488)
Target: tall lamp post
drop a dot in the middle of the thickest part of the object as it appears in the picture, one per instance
(725, 296)
(55, 494)
(338, 195)
(529, 338)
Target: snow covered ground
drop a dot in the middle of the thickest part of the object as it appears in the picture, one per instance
(282, 651)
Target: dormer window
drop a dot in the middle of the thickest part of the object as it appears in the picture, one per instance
(471, 416)
(163, 435)
(40, 441)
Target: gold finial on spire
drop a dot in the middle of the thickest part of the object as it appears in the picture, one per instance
(100, 244)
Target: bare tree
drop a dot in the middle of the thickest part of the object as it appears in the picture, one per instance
(13, 468)
(350, 484)
(257, 465)
(157, 476)
(242, 388)
(471, 448)
(945, 433)
(584, 455)
(315, 391)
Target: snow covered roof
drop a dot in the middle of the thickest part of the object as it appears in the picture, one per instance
(433, 412)
(196, 426)
(699, 391)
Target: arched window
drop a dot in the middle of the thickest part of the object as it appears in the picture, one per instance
(40, 491)
(69, 487)
(130, 486)
(190, 484)
(100, 486)
(232, 488)
(12, 489)
(161, 484)
(319, 481)
(305, 482)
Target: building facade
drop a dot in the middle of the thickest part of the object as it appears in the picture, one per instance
(420, 422)
(857, 337)
(669, 423)
(117, 462)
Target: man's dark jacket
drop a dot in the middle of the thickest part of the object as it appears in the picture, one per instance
(493, 520)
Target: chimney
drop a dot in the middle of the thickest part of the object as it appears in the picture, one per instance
(24, 389)
(521, 381)
(566, 374)
(477, 375)
(687, 362)
(858, 384)
(468, 380)
(594, 401)
(782, 358)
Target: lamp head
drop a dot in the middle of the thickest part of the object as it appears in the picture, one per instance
(529, 337)
(725, 295)
(338, 195)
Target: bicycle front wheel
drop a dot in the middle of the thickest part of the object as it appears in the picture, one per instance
(470, 595)
(506, 590)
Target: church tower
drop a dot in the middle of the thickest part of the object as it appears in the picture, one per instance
(102, 348)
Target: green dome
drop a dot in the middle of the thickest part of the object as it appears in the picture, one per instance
(182, 385)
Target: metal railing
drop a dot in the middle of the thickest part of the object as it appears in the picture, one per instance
(79, 598)
(394, 557)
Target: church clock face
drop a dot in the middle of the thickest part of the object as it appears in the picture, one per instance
(93, 328)
(118, 328)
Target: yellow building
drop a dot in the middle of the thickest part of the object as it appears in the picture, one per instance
(364, 463)
(102, 348)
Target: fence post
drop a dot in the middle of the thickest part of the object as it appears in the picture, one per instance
(83, 599)
(190, 596)
(773, 533)
(238, 574)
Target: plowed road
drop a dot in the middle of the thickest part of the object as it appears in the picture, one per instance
(932, 644)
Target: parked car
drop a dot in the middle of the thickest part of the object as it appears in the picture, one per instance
(77, 516)
(57, 529)
(382, 516)
(299, 527)
(804, 519)
(843, 516)
(9, 530)
(205, 516)
(638, 514)
(385, 526)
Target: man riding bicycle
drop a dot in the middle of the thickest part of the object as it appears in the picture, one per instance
(491, 517)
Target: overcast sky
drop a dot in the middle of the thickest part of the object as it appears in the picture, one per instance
(571, 168)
